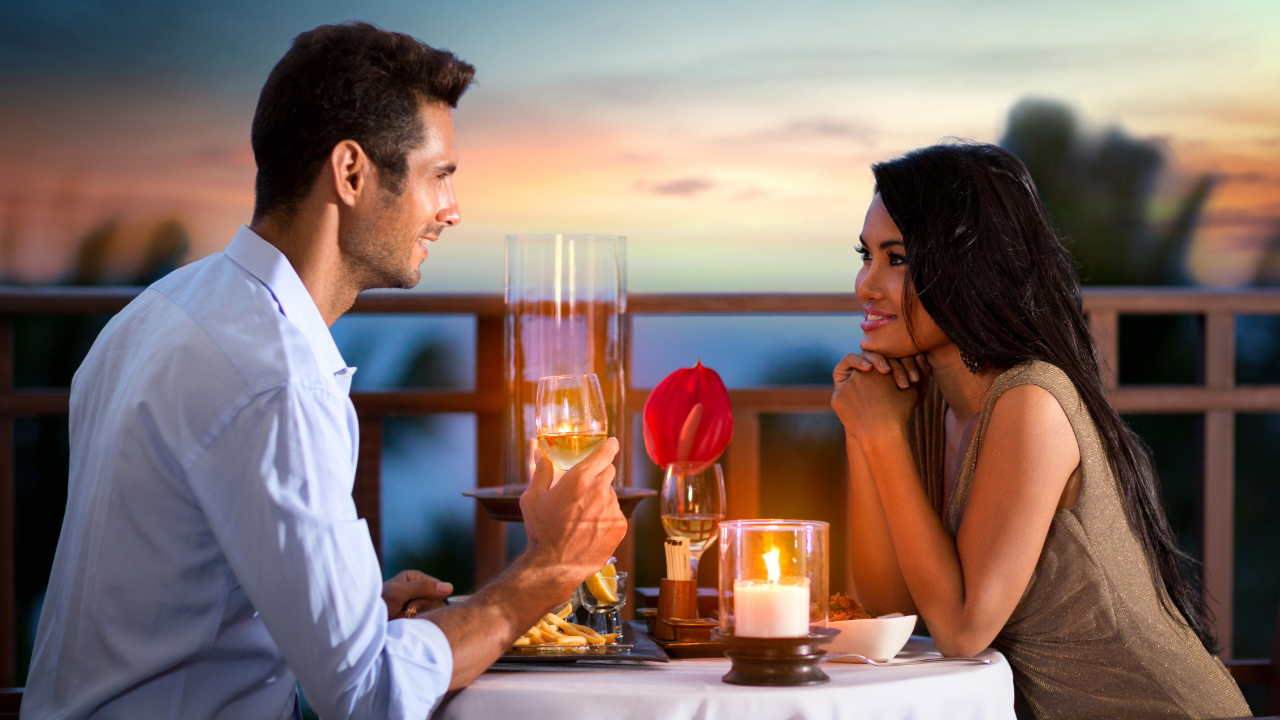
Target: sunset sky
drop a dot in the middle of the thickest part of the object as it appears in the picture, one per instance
(730, 142)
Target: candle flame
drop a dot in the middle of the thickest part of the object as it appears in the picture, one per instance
(771, 564)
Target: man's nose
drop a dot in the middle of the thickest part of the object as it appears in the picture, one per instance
(449, 214)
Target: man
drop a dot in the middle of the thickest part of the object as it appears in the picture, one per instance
(210, 557)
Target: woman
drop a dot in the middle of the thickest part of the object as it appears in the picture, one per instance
(995, 491)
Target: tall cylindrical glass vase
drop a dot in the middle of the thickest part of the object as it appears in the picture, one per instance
(566, 296)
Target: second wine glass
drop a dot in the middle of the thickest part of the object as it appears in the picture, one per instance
(693, 505)
(571, 419)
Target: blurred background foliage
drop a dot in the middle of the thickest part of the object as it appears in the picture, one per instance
(1110, 199)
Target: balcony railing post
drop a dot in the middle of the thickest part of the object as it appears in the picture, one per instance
(491, 535)
(8, 588)
(1219, 478)
(367, 492)
(743, 473)
(1105, 326)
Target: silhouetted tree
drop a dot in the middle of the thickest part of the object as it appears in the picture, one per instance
(1099, 192)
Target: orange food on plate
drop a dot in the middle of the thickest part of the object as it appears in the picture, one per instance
(844, 607)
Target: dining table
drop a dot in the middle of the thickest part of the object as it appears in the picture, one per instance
(693, 688)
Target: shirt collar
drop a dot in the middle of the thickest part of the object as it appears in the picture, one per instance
(262, 260)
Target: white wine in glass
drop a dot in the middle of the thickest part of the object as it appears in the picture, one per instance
(700, 530)
(570, 419)
(693, 505)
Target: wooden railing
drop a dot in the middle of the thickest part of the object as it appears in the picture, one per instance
(1218, 399)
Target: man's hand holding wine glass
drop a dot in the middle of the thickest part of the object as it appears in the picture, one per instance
(575, 522)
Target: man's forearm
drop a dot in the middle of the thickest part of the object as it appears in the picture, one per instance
(483, 627)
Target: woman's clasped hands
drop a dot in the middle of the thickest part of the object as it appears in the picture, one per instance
(874, 393)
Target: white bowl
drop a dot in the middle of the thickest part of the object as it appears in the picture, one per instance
(876, 638)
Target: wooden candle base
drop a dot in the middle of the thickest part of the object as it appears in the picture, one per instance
(777, 662)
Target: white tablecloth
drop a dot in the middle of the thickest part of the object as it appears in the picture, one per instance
(692, 689)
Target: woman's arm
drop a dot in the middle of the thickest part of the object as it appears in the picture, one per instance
(966, 589)
(876, 576)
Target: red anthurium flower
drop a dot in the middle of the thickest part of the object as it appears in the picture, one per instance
(688, 417)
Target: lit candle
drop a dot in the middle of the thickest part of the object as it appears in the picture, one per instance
(775, 608)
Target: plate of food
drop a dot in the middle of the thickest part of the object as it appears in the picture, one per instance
(555, 639)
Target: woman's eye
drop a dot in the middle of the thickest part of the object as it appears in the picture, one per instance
(896, 259)
(866, 255)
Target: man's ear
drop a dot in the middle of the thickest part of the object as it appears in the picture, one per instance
(351, 171)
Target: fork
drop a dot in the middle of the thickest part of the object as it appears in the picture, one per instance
(919, 661)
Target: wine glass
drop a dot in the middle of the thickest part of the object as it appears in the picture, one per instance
(570, 418)
(693, 505)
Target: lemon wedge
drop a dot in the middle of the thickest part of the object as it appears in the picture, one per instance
(602, 586)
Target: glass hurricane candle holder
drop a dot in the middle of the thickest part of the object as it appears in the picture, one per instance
(566, 303)
(773, 578)
(773, 601)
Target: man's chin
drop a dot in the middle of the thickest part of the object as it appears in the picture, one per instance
(406, 280)
(410, 280)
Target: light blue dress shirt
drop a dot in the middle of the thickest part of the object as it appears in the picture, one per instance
(211, 557)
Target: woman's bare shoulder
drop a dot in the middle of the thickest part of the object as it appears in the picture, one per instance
(1028, 408)
(1028, 422)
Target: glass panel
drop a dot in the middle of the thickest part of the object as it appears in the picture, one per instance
(427, 525)
(408, 351)
(1159, 349)
(41, 454)
(1176, 443)
(1258, 349)
(747, 351)
(49, 348)
(1257, 576)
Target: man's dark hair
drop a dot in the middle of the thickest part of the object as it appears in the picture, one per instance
(352, 81)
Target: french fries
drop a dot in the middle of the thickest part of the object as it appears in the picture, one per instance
(554, 630)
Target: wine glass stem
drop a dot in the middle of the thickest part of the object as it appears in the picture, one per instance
(693, 568)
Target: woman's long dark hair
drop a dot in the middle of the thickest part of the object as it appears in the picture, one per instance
(984, 261)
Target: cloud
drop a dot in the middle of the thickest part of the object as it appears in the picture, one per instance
(1263, 219)
(1252, 177)
(238, 154)
(683, 187)
(826, 128)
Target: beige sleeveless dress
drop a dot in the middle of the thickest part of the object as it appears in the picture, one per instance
(1089, 639)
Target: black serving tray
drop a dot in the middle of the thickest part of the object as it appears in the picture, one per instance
(634, 646)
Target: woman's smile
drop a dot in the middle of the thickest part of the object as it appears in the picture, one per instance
(874, 320)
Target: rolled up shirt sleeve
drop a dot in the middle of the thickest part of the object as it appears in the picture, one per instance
(275, 485)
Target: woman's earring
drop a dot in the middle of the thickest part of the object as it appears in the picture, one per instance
(970, 362)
